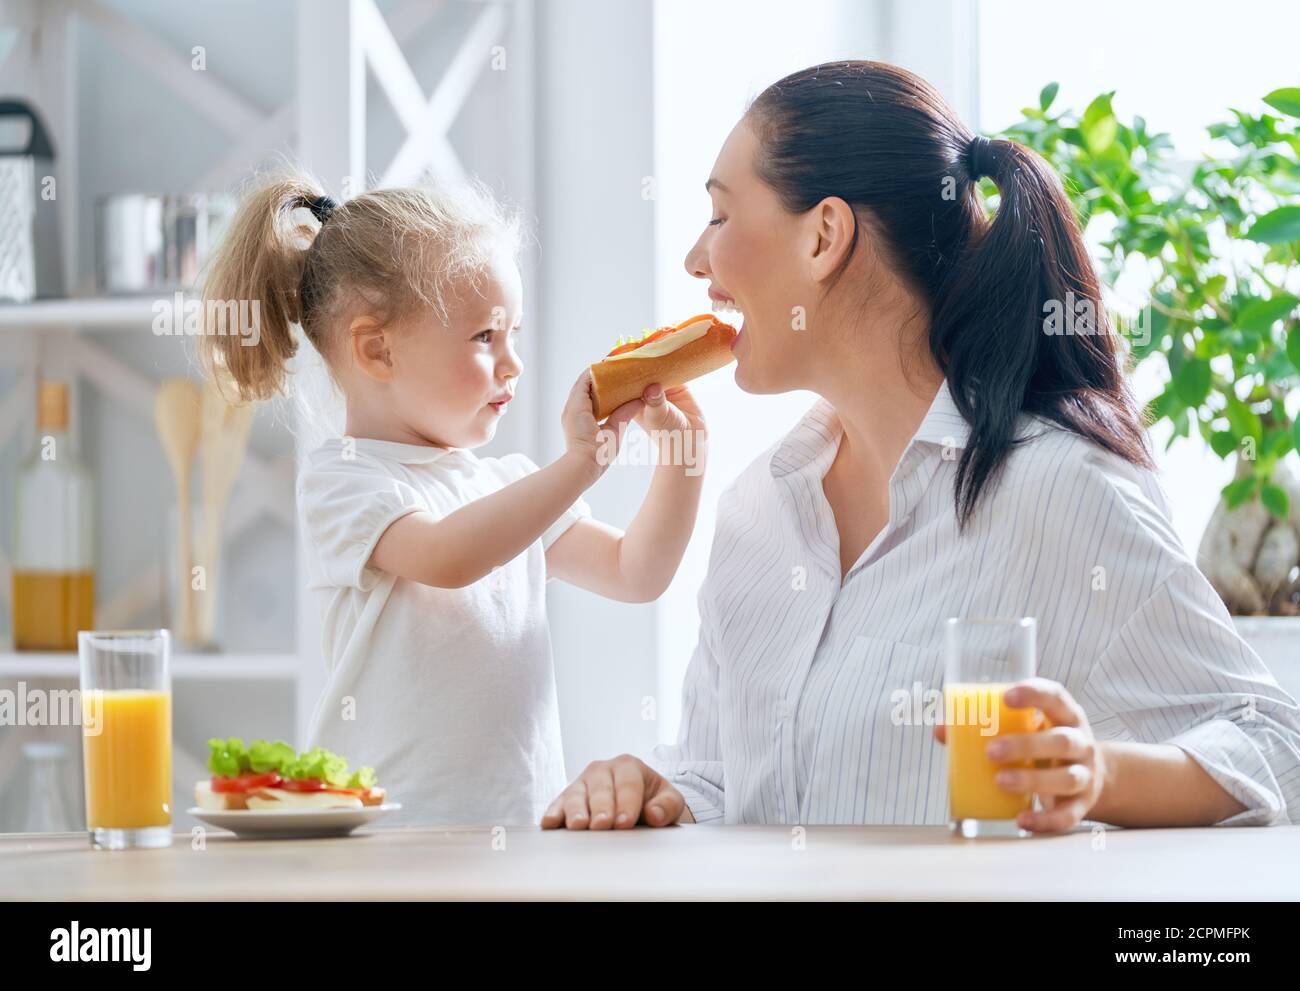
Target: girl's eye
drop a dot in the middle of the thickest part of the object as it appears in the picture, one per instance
(482, 336)
(716, 221)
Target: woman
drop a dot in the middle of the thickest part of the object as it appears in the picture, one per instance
(961, 461)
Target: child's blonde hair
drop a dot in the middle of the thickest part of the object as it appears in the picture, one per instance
(388, 253)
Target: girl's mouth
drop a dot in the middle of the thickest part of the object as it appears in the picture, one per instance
(500, 407)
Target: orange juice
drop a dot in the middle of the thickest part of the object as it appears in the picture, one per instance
(50, 607)
(129, 761)
(975, 715)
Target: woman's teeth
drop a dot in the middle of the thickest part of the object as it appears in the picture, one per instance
(726, 306)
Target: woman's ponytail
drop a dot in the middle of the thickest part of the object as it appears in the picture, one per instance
(1019, 324)
(884, 140)
(257, 273)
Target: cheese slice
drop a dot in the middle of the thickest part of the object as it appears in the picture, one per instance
(281, 799)
(669, 342)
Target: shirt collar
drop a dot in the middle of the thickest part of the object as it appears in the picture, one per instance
(943, 425)
(407, 454)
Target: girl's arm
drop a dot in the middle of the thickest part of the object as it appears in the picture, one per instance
(638, 565)
(460, 548)
(463, 546)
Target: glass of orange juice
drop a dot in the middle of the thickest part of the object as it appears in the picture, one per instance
(982, 659)
(126, 730)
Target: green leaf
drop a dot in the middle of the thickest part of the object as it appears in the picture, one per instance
(1286, 101)
(1235, 493)
(1099, 125)
(1275, 499)
(1244, 421)
(1224, 442)
(1293, 350)
(1192, 383)
(1295, 433)
(1281, 226)
(1259, 315)
(1048, 94)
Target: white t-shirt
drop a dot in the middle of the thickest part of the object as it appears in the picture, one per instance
(449, 693)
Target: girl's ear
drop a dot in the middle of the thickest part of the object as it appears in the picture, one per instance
(370, 351)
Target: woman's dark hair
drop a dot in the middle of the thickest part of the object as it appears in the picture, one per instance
(884, 141)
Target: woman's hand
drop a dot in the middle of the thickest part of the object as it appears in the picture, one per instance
(670, 409)
(618, 794)
(1071, 769)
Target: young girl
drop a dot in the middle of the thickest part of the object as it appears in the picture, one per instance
(433, 561)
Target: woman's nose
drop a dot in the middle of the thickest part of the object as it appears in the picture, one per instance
(697, 260)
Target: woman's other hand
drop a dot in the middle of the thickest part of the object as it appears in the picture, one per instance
(1070, 771)
(618, 793)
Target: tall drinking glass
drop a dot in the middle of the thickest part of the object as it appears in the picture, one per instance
(982, 659)
(126, 729)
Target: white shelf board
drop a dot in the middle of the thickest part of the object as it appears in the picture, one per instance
(124, 312)
(223, 667)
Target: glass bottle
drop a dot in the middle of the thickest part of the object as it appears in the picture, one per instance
(53, 568)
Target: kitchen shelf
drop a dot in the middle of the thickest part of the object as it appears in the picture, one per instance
(110, 312)
(226, 667)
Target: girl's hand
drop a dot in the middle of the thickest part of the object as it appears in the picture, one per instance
(615, 794)
(1071, 769)
(582, 435)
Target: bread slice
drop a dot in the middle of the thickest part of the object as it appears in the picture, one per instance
(617, 382)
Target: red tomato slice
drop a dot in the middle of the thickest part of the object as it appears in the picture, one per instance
(245, 782)
(303, 784)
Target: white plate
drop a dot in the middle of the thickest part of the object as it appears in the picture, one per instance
(271, 824)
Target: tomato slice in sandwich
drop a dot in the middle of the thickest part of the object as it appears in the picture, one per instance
(246, 782)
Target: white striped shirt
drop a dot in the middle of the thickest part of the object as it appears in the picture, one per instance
(786, 713)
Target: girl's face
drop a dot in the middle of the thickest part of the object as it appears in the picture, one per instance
(753, 255)
(452, 384)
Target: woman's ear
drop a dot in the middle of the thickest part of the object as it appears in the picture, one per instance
(833, 223)
(369, 344)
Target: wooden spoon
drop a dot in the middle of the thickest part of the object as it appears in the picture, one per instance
(221, 452)
(176, 412)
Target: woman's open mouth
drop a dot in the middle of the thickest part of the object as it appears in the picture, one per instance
(725, 306)
(500, 405)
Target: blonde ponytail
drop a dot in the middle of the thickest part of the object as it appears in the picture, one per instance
(259, 266)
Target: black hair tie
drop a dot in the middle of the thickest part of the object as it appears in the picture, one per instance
(979, 157)
(320, 206)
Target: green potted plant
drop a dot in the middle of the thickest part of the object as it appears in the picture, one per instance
(1217, 244)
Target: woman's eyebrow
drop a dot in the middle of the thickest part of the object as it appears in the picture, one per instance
(711, 183)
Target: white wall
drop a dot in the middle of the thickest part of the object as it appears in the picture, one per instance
(596, 281)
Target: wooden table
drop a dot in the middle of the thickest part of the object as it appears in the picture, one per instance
(683, 862)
